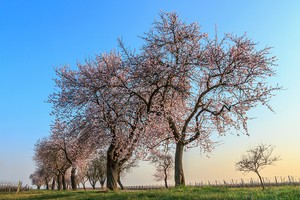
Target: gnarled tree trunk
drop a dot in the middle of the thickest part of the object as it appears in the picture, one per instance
(112, 169)
(179, 174)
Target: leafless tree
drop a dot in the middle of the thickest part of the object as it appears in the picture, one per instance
(164, 164)
(92, 173)
(126, 168)
(256, 159)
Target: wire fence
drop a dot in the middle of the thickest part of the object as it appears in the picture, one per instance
(253, 182)
(233, 183)
(6, 186)
(10, 186)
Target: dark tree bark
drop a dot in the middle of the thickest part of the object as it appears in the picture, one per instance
(112, 169)
(112, 174)
(120, 183)
(179, 174)
(59, 186)
(93, 183)
(73, 178)
(166, 182)
(53, 184)
(102, 183)
(47, 183)
(261, 181)
(63, 180)
(166, 177)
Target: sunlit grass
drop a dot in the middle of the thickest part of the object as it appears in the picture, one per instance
(285, 192)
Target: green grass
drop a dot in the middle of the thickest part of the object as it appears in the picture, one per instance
(188, 193)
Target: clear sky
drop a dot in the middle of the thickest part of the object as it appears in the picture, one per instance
(36, 36)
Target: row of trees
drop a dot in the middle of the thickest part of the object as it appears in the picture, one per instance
(64, 160)
(179, 88)
(54, 168)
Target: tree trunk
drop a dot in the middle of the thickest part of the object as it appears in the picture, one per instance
(38, 187)
(112, 169)
(63, 180)
(59, 187)
(120, 183)
(112, 175)
(83, 185)
(166, 178)
(261, 181)
(179, 174)
(47, 183)
(166, 182)
(53, 184)
(73, 178)
(92, 182)
(102, 183)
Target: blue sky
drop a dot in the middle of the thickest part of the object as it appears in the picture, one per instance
(36, 36)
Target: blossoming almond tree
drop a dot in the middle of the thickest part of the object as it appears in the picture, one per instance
(50, 158)
(182, 85)
(77, 148)
(91, 94)
(199, 85)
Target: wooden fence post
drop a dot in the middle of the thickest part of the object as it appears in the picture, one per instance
(19, 187)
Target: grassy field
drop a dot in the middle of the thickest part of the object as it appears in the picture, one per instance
(212, 193)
